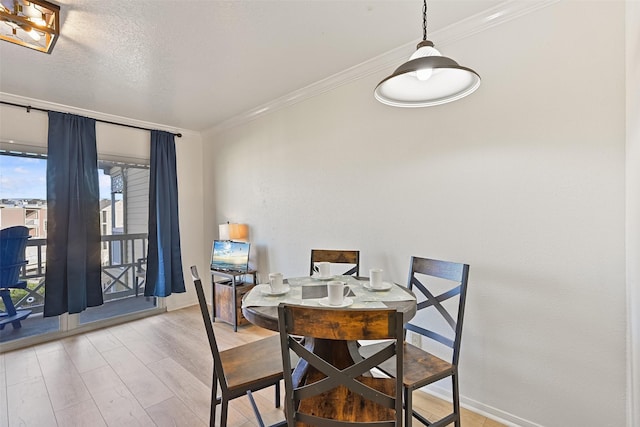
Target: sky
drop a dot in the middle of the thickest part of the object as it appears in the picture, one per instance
(26, 178)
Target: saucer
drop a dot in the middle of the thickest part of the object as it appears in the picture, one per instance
(385, 287)
(315, 276)
(266, 290)
(346, 302)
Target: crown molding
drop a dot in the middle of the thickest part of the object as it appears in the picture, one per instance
(492, 17)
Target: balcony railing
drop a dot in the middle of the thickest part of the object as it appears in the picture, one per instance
(123, 270)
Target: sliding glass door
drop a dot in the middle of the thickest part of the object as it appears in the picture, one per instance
(123, 220)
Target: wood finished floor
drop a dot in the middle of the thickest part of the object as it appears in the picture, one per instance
(153, 371)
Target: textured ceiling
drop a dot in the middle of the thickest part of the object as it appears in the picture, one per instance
(193, 64)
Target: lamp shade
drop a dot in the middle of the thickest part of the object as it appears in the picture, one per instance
(223, 231)
(239, 232)
(427, 81)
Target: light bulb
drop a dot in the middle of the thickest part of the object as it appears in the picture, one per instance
(39, 21)
(422, 52)
(34, 34)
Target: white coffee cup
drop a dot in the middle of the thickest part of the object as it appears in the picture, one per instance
(375, 278)
(322, 268)
(276, 282)
(336, 290)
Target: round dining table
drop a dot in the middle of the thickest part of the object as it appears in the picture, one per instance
(267, 316)
(344, 353)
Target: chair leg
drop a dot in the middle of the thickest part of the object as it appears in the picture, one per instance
(456, 399)
(408, 406)
(255, 409)
(278, 394)
(214, 400)
(410, 414)
(224, 412)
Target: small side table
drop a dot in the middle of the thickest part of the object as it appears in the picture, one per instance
(227, 295)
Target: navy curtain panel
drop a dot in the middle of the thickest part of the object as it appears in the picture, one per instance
(72, 278)
(164, 260)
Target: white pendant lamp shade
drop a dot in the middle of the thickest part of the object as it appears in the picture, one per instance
(427, 79)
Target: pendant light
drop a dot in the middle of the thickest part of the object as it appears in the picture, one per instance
(427, 79)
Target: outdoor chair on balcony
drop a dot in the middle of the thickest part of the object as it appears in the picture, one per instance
(13, 242)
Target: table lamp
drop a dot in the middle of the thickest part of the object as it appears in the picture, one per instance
(237, 232)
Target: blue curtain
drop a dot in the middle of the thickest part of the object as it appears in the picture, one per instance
(72, 279)
(164, 260)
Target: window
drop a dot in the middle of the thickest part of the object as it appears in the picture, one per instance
(124, 195)
(123, 223)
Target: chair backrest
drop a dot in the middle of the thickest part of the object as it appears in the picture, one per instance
(458, 275)
(380, 398)
(13, 242)
(337, 257)
(206, 317)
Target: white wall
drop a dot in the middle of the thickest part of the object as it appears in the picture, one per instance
(190, 203)
(31, 129)
(524, 180)
(633, 207)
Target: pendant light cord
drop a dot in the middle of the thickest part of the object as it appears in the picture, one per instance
(424, 21)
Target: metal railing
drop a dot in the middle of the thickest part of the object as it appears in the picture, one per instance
(123, 274)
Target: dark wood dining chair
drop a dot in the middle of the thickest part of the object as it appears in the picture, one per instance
(240, 370)
(327, 390)
(421, 367)
(337, 257)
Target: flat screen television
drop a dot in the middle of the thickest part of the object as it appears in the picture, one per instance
(227, 255)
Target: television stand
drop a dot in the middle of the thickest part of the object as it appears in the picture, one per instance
(227, 295)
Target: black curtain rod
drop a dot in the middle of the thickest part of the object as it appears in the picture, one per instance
(29, 108)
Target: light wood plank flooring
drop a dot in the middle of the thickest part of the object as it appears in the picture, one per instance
(154, 371)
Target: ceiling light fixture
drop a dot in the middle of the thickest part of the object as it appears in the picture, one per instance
(427, 79)
(34, 24)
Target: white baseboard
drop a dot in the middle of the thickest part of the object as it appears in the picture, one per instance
(480, 408)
